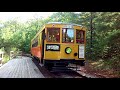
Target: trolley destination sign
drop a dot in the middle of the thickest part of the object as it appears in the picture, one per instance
(52, 47)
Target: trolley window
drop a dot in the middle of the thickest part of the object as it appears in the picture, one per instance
(80, 35)
(53, 34)
(35, 42)
(67, 35)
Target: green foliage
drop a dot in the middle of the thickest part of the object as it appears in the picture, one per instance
(112, 47)
(113, 63)
(105, 34)
(67, 17)
(5, 58)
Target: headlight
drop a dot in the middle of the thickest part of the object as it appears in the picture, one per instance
(68, 50)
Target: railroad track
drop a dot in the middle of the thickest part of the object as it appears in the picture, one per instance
(67, 74)
(61, 74)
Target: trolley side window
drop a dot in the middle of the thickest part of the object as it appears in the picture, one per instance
(53, 34)
(80, 36)
(35, 42)
(67, 35)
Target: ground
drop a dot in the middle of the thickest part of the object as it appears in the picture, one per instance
(91, 68)
(20, 67)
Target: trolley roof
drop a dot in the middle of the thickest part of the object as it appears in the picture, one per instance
(64, 23)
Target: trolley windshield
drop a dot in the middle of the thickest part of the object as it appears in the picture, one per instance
(80, 36)
(53, 35)
(67, 35)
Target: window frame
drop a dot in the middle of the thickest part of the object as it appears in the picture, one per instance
(66, 33)
(80, 36)
(52, 34)
(35, 42)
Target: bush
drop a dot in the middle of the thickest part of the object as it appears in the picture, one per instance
(5, 58)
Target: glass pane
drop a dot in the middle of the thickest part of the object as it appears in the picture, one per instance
(35, 42)
(68, 35)
(80, 36)
(53, 34)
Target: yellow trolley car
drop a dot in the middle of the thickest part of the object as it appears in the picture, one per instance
(60, 44)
